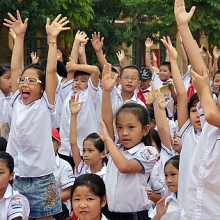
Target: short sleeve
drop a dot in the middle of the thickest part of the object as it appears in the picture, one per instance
(18, 207)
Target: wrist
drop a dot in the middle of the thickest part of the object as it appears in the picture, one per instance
(147, 49)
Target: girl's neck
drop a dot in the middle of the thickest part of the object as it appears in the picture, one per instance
(2, 192)
(95, 168)
(126, 95)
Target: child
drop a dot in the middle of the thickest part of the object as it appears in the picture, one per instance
(93, 147)
(12, 204)
(131, 162)
(216, 82)
(5, 97)
(169, 209)
(63, 172)
(83, 80)
(30, 140)
(88, 197)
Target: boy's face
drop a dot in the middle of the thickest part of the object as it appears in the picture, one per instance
(164, 73)
(80, 83)
(145, 83)
(129, 80)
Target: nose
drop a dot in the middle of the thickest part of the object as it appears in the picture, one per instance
(83, 204)
(124, 132)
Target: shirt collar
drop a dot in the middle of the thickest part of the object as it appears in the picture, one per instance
(136, 148)
(8, 192)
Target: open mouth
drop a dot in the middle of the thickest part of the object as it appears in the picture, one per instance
(25, 94)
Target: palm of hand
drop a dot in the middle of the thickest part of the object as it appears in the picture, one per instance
(18, 27)
(148, 43)
(74, 107)
(97, 45)
(181, 15)
(54, 29)
(107, 82)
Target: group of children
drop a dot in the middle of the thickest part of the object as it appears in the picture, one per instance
(118, 151)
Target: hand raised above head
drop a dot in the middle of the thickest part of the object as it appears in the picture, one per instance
(74, 104)
(148, 43)
(97, 41)
(171, 50)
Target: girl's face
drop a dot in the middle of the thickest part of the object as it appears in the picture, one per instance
(171, 177)
(5, 83)
(130, 130)
(5, 177)
(194, 117)
(177, 143)
(216, 83)
(164, 73)
(30, 92)
(91, 155)
(86, 205)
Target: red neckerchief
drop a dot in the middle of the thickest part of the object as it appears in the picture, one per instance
(190, 91)
(140, 95)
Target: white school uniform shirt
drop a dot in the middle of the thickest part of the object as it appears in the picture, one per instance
(189, 138)
(103, 218)
(157, 84)
(87, 122)
(117, 101)
(5, 114)
(173, 212)
(30, 142)
(83, 169)
(203, 184)
(13, 205)
(64, 177)
(126, 192)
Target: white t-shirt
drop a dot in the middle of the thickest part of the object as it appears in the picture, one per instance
(13, 205)
(103, 218)
(126, 192)
(30, 142)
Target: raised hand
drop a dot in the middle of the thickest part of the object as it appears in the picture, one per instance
(148, 43)
(107, 81)
(70, 65)
(162, 103)
(121, 55)
(104, 135)
(34, 58)
(81, 37)
(12, 33)
(56, 26)
(74, 104)
(216, 52)
(182, 17)
(97, 41)
(17, 26)
(82, 49)
(171, 50)
(161, 207)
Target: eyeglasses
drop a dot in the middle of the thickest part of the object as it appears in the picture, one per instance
(127, 78)
(30, 80)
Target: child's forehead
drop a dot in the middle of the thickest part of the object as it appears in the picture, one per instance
(82, 76)
(130, 71)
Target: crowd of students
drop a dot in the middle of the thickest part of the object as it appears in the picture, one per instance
(109, 141)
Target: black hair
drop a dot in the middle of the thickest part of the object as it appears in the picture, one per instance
(64, 54)
(3, 144)
(174, 161)
(142, 115)
(151, 113)
(98, 143)
(217, 72)
(94, 182)
(204, 48)
(166, 63)
(40, 71)
(119, 66)
(3, 70)
(194, 98)
(80, 73)
(9, 162)
(156, 138)
(130, 67)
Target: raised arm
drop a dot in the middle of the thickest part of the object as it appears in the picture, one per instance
(148, 45)
(121, 58)
(216, 54)
(53, 30)
(75, 107)
(191, 47)
(182, 106)
(82, 53)
(19, 28)
(97, 43)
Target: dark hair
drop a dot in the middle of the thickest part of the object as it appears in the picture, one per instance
(194, 98)
(151, 113)
(64, 54)
(174, 161)
(9, 162)
(204, 48)
(98, 143)
(3, 70)
(142, 115)
(119, 66)
(94, 182)
(166, 63)
(80, 73)
(40, 71)
(156, 138)
(217, 72)
(3, 144)
(130, 67)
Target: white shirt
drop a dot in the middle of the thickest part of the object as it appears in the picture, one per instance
(117, 101)
(64, 177)
(5, 115)
(87, 122)
(30, 142)
(13, 205)
(189, 138)
(103, 218)
(203, 184)
(126, 192)
(83, 169)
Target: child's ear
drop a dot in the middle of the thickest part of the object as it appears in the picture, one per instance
(103, 201)
(11, 176)
(146, 130)
(103, 155)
